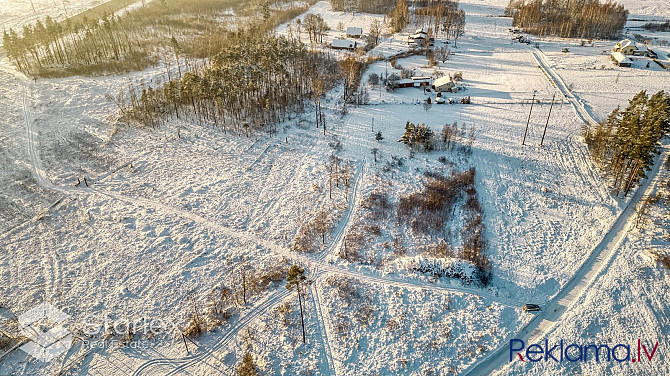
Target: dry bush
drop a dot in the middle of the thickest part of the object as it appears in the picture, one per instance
(399, 249)
(345, 288)
(440, 249)
(378, 205)
(665, 261)
(5, 341)
(372, 230)
(393, 324)
(194, 327)
(365, 314)
(354, 240)
(341, 324)
(284, 310)
(259, 281)
(428, 210)
(406, 73)
(473, 232)
(309, 234)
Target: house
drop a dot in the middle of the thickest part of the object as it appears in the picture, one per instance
(621, 60)
(354, 32)
(343, 44)
(421, 81)
(626, 47)
(444, 83)
(420, 39)
(411, 82)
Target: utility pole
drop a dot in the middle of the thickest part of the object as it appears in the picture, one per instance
(528, 121)
(373, 124)
(547, 123)
(244, 286)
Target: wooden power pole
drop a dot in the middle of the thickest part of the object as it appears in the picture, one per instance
(528, 121)
(547, 123)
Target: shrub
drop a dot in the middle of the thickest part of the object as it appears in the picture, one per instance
(4, 342)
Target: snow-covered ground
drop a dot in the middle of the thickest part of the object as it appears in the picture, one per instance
(16, 13)
(655, 8)
(172, 214)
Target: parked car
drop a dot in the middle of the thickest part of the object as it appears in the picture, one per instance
(439, 99)
(531, 307)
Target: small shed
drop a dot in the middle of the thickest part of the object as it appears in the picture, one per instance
(354, 32)
(343, 44)
(621, 60)
(444, 83)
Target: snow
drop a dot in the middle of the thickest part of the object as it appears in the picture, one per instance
(17, 13)
(173, 213)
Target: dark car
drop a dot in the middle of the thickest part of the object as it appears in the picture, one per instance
(531, 307)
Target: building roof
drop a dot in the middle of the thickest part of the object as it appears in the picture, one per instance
(626, 43)
(621, 58)
(444, 80)
(354, 30)
(343, 43)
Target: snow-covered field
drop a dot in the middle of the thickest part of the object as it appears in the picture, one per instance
(16, 13)
(174, 214)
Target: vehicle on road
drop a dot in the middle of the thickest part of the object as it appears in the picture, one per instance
(531, 307)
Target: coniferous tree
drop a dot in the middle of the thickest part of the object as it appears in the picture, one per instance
(248, 366)
(296, 277)
(627, 142)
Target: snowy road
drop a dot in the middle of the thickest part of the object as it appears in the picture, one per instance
(557, 81)
(601, 256)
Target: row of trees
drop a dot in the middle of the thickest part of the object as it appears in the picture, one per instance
(442, 17)
(569, 18)
(137, 39)
(316, 27)
(626, 143)
(366, 6)
(399, 16)
(51, 43)
(256, 81)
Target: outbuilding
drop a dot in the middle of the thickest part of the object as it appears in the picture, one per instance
(444, 83)
(354, 32)
(626, 47)
(621, 60)
(343, 44)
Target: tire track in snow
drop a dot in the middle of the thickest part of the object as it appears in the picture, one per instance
(318, 265)
(225, 341)
(557, 81)
(324, 328)
(343, 224)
